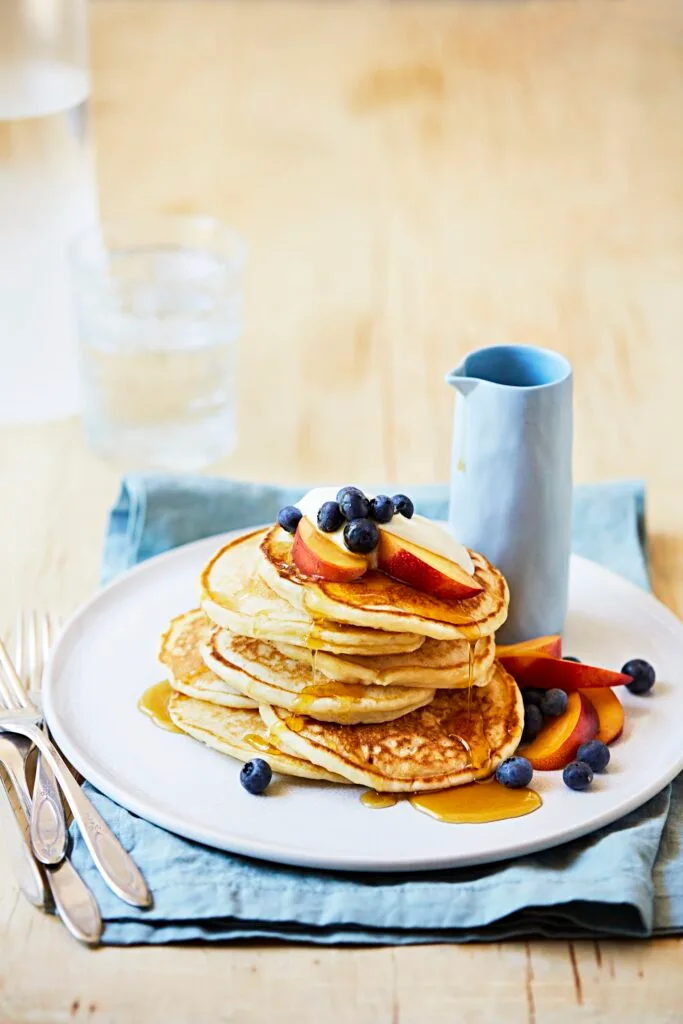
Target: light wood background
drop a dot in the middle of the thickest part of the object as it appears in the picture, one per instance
(413, 179)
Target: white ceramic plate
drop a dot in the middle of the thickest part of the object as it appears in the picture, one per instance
(106, 657)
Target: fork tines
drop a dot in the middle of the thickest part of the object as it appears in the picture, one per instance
(33, 637)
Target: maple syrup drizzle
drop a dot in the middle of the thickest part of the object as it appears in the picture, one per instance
(471, 645)
(377, 801)
(260, 743)
(313, 641)
(340, 691)
(295, 722)
(469, 631)
(304, 703)
(154, 704)
(343, 691)
(483, 755)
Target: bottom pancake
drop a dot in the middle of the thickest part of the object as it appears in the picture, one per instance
(459, 737)
(239, 733)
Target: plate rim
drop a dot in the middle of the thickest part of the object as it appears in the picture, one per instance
(275, 850)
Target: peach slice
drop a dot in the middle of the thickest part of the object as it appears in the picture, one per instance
(540, 644)
(610, 713)
(546, 671)
(423, 570)
(558, 741)
(316, 555)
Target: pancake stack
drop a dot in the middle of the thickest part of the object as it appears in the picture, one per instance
(370, 682)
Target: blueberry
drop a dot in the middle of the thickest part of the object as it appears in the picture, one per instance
(382, 508)
(289, 517)
(515, 773)
(403, 505)
(353, 503)
(361, 536)
(348, 490)
(533, 696)
(642, 673)
(330, 517)
(595, 754)
(577, 775)
(533, 722)
(570, 657)
(256, 775)
(553, 703)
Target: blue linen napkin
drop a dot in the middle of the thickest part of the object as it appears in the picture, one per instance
(623, 880)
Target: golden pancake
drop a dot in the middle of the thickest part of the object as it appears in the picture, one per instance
(376, 601)
(239, 733)
(458, 738)
(187, 672)
(441, 664)
(260, 671)
(235, 597)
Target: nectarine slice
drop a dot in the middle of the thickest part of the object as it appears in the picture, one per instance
(545, 671)
(317, 556)
(560, 738)
(541, 644)
(610, 713)
(424, 570)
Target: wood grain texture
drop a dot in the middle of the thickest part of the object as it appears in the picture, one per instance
(413, 179)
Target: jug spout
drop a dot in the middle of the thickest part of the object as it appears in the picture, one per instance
(460, 381)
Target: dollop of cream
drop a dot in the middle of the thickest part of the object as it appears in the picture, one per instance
(418, 530)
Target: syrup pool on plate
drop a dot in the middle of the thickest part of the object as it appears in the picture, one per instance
(154, 704)
(476, 803)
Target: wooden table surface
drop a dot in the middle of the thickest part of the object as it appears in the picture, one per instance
(413, 179)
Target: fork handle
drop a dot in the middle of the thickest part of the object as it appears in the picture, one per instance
(76, 905)
(27, 873)
(48, 827)
(73, 900)
(117, 867)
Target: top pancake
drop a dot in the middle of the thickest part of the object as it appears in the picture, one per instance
(235, 597)
(376, 601)
(458, 738)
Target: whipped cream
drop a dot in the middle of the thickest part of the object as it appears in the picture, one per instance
(418, 530)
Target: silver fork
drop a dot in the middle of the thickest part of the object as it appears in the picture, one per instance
(114, 863)
(73, 900)
(33, 638)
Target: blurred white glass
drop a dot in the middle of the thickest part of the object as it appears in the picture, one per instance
(47, 195)
(159, 311)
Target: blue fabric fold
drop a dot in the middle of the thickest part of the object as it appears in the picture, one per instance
(624, 880)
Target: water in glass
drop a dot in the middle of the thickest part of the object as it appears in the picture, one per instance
(159, 326)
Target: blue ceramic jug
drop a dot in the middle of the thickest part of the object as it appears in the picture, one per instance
(511, 477)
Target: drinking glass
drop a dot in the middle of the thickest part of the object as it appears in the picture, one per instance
(47, 196)
(159, 305)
